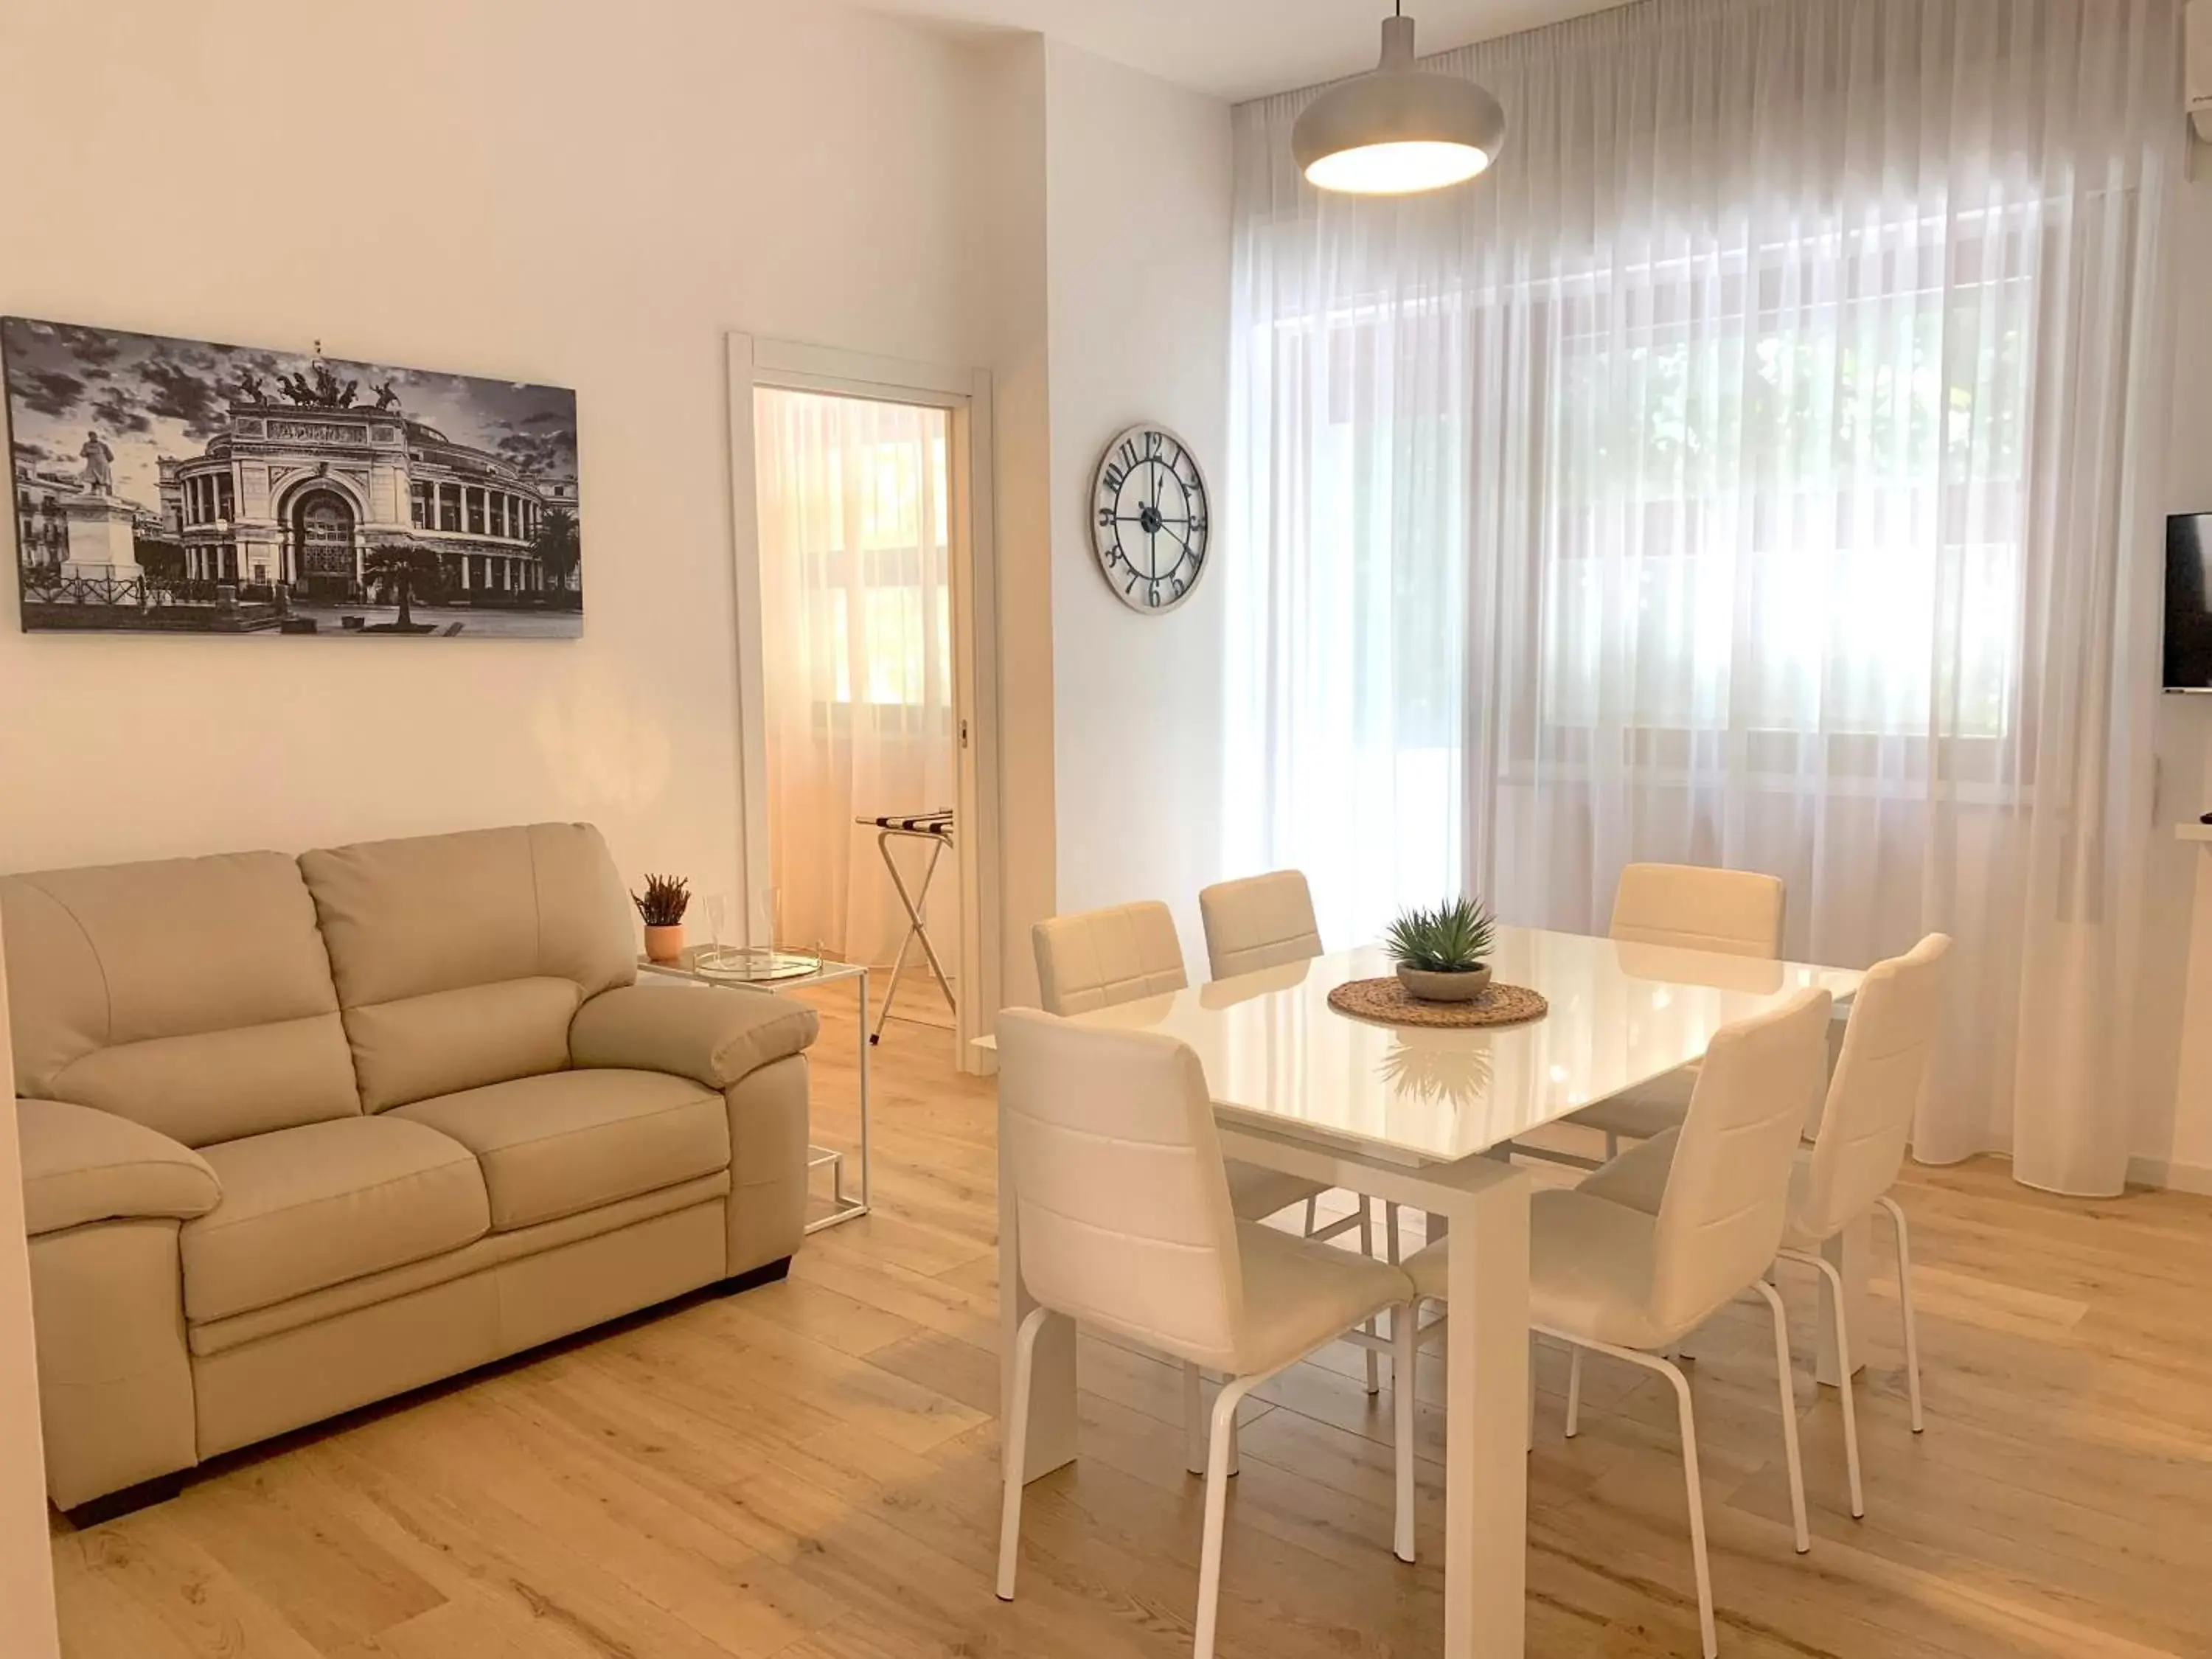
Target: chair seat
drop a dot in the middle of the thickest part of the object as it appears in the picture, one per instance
(1299, 1295)
(1648, 1109)
(308, 1207)
(1637, 1178)
(1256, 1192)
(1590, 1270)
(556, 1145)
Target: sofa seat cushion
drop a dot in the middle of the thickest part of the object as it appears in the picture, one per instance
(566, 1141)
(315, 1205)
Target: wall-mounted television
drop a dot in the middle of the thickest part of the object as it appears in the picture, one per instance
(2189, 602)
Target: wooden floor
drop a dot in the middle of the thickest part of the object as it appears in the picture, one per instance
(810, 1470)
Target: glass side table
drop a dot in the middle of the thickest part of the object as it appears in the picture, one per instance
(785, 970)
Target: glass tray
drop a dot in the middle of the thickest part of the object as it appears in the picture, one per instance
(753, 963)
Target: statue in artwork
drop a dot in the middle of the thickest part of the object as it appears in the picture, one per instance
(386, 398)
(99, 466)
(249, 385)
(296, 388)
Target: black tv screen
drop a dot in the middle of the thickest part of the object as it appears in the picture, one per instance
(2189, 602)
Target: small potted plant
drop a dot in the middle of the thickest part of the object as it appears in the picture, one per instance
(662, 906)
(1442, 954)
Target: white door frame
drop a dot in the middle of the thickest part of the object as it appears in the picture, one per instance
(965, 395)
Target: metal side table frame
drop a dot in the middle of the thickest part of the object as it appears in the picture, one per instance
(844, 1205)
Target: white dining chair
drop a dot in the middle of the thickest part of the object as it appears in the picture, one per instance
(1736, 912)
(1609, 1278)
(1257, 922)
(1865, 1123)
(1102, 958)
(1124, 1224)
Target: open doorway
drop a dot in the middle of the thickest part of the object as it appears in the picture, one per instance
(867, 675)
(855, 502)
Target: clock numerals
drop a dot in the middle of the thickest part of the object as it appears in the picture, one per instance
(1151, 518)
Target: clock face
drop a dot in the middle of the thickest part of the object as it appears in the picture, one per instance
(1151, 520)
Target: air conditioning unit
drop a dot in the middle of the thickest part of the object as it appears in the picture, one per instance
(2200, 66)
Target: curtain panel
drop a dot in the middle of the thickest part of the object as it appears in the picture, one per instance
(856, 601)
(1756, 468)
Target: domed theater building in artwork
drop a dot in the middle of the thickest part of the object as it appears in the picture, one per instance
(306, 497)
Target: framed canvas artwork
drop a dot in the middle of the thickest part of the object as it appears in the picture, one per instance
(182, 487)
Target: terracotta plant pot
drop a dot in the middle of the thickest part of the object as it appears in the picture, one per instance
(664, 944)
(1425, 986)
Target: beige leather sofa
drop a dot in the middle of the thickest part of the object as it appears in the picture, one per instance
(300, 1134)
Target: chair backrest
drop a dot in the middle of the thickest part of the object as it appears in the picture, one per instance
(1875, 1089)
(1120, 1198)
(1097, 958)
(1735, 912)
(1727, 1192)
(1260, 922)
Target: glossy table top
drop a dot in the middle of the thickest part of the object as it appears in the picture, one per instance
(1277, 1055)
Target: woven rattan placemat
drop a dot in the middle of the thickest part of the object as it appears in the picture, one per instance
(1387, 1002)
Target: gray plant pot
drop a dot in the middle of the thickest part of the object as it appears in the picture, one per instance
(1425, 986)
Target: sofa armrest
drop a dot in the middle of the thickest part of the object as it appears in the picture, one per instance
(82, 1165)
(717, 1038)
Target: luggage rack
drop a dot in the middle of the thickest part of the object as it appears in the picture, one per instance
(936, 829)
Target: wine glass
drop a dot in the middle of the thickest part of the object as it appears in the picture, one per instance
(717, 916)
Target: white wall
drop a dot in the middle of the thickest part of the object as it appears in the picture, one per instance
(2173, 1123)
(26, 1569)
(1138, 209)
(563, 190)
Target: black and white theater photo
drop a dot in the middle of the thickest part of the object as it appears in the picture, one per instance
(175, 486)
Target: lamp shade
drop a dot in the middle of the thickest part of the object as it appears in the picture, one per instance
(1399, 129)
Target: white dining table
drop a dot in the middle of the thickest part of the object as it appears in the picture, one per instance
(1425, 1118)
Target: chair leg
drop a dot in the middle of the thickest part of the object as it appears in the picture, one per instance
(1574, 1392)
(1706, 1630)
(1612, 1145)
(1392, 1242)
(1216, 1504)
(1015, 1451)
(1904, 1302)
(1404, 1321)
(1194, 1420)
(1313, 1216)
(1843, 1384)
(1367, 1249)
(1789, 1412)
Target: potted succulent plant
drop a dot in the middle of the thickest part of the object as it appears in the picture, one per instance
(1442, 954)
(662, 906)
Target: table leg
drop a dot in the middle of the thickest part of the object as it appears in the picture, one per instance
(864, 1041)
(1050, 1441)
(1848, 1250)
(1487, 1409)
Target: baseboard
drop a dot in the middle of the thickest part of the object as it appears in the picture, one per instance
(2174, 1177)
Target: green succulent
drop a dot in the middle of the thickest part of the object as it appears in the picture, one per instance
(1455, 937)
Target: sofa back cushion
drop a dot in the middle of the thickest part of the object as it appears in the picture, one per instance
(191, 995)
(460, 959)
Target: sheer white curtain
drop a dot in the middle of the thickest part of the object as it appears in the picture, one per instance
(1750, 471)
(856, 601)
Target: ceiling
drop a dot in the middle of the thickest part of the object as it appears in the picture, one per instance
(1239, 49)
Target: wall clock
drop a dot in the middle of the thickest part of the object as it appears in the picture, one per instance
(1152, 520)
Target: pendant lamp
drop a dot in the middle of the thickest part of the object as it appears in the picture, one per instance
(1399, 130)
